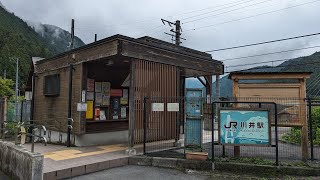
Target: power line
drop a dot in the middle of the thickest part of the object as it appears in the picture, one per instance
(241, 2)
(315, 89)
(212, 7)
(248, 17)
(226, 12)
(263, 62)
(312, 85)
(204, 13)
(154, 18)
(264, 54)
(265, 42)
(268, 67)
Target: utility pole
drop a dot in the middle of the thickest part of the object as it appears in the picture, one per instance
(5, 74)
(72, 34)
(95, 37)
(177, 31)
(70, 120)
(16, 90)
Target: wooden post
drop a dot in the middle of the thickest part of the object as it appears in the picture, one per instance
(208, 88)
(303, 116)
(132, 105)
(236, 149)
(4, 113)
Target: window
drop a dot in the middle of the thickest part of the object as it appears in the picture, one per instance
(52, 85)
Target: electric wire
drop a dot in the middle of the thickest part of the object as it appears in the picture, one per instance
(265, 42)
(215, 15)
(248, 17)
(271, 53)
(241, 2)
(268, 67)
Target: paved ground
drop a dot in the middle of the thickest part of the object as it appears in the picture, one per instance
(3, 176)
(149, 173)
(58, 157)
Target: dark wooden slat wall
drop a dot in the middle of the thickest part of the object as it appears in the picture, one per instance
(160, 83)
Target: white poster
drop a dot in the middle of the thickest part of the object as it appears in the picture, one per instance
(81, 107)
(125, 94)
(123, 112)
(157, 106)
(173, 107)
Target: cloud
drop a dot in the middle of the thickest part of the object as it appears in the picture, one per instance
(133, 18)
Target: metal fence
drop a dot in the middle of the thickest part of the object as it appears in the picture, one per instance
(15, 111)
(175, 126)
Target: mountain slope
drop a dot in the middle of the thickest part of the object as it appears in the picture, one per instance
(302, 64)
(20, 41)
(57, 38)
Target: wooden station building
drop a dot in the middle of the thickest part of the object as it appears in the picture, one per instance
(109, 79)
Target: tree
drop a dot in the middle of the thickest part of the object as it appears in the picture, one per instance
(6, 87)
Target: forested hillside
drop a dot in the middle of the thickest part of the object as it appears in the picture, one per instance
(20, 41)
(302, 64)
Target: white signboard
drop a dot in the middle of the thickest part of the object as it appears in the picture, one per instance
(173, 107)
(83, 96)
(81, 107)
(157, 106)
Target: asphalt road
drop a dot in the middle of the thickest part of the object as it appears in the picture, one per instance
(147, 173)
(140, 173)
(3, 176)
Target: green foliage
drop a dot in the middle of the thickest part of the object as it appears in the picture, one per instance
(6, 87)
(246, 160)
(294, 136)
(19, 41)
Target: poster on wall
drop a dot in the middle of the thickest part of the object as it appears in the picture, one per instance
(116, 92)
(244, 127)
(125, 93)
(105, 100)
(98, 98)
(123, 101)
(98, 87)
(173, 107)
(90, 96)
(157, 106)
(102, 115)
(123, 112)
(89, 112)
(106, 86)
(81, 107)
(90, 85)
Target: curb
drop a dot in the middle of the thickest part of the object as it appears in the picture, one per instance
(267, 169)
(175, 163)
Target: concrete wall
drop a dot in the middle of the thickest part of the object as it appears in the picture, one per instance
(105, 138)
(20, 164)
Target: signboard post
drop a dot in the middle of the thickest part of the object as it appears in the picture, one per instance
(244, 127)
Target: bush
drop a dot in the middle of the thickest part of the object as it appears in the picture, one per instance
(294, 136)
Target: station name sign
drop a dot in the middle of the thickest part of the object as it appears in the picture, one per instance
(244, 127)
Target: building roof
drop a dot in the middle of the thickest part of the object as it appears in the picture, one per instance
(147, 41)
(270, 74)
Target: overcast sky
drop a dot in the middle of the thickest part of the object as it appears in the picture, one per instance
(142, 17)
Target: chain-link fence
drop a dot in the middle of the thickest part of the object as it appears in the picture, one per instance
(176, 126)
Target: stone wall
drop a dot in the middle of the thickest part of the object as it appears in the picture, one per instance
(18, 163)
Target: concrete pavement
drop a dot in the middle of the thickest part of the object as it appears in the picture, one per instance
(3, 176)
(140, 173)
